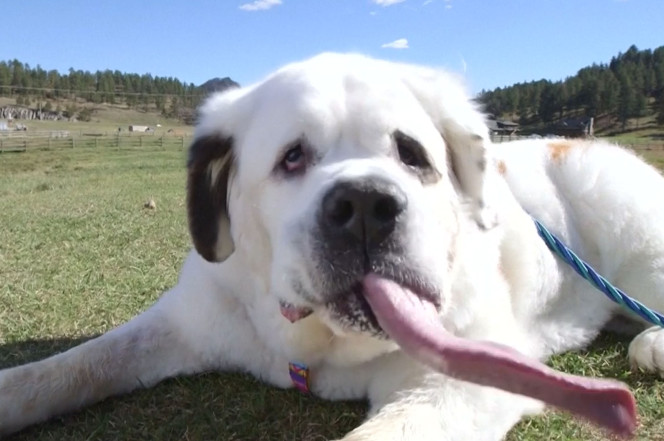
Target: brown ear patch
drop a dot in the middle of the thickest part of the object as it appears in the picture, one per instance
(208, 170)
(558, 150)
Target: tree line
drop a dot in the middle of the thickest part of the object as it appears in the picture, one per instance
(29, 85)
(630, 86)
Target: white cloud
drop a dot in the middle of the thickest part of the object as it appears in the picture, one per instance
(401, 43)
(427, 2)
(387, 2)
(259, 5)
(448, 4)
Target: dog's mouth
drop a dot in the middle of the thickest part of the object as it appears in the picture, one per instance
(294, 313)
(350, 310)
(388, 308)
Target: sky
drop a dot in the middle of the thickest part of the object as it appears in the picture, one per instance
(492, 43)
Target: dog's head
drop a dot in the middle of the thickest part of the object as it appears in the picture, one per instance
(335, 168)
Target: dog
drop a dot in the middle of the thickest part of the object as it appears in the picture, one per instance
(342, 186)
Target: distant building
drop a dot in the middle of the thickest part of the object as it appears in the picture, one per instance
(502, 127)
(141, 129)
(575, 127)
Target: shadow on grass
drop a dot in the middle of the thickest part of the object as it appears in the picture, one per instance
(12, 354)
(233, 406)
(219, 406)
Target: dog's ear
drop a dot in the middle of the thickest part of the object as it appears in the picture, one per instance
(209, 171)
(466, 136)
(469, 162)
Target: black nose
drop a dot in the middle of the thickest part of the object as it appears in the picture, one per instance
(368, 209)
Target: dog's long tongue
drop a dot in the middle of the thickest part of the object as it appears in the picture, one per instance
(414, 325)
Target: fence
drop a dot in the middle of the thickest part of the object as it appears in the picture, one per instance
(506, 138)
(15, 144)
(649, 147)
(125, 142)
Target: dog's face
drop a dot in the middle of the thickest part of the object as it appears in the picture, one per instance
(333, 169)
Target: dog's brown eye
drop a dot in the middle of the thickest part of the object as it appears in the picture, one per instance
(294, 159)
(410, 151)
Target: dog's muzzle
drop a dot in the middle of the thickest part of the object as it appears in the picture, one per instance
(360, 229)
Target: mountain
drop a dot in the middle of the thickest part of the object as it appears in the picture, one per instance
(218, 85)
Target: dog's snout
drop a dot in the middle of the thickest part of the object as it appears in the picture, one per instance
(367, 209)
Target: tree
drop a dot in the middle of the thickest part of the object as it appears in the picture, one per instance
(18, 77)
(550, 102)
(5, 79)
(85, 114)
(626, 100)
(70, 110)
(660, 108)
(640, 106)
(609, 93)
(175, 107)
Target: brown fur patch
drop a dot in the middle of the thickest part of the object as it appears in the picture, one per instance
(558, 150)
(502, 168)
(209, 166)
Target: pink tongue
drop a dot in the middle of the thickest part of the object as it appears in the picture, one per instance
(414, 325)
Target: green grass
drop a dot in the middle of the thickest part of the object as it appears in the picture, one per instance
(79, 255)
(105, 118)
(641, 138)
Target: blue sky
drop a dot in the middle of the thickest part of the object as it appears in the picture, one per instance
(492, 43)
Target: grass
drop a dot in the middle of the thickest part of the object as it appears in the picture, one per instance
(641, 138)
(105, 119)
(79, 254)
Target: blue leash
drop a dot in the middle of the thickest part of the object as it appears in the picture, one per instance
(599, 282)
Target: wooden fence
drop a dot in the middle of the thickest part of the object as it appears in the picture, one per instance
(124, 142)
(16, 144)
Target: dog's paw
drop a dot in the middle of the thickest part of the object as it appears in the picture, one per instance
(646, 352)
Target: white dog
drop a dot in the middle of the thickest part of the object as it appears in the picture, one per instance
(339, 205)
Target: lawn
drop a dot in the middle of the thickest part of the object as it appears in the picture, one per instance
(79, 254)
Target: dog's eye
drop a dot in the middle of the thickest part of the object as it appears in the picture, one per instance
(294, 159)
(410, 151)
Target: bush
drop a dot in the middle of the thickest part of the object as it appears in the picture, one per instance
(85, 115)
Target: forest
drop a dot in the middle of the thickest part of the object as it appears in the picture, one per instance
(57, 92)
(631, 85)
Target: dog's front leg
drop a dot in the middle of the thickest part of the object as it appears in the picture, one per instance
(423, 405)
(136, 354)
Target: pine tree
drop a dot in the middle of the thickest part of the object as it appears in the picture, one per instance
(626, 100)
(660, 108)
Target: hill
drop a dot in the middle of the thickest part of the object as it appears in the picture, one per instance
(218, 84)
(623, 95)
(77, 93)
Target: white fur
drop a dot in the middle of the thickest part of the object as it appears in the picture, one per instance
(470, 232)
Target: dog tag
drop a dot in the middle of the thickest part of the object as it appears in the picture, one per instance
(299, 374)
